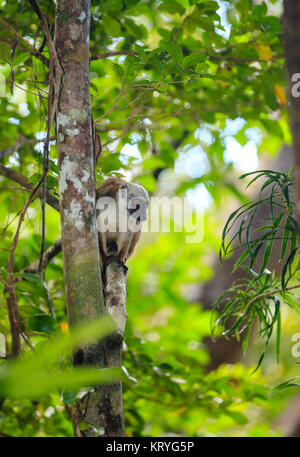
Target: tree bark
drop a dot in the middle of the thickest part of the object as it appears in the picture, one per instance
(76, 171)
(107, 400)
(291, 31)
(83, 285)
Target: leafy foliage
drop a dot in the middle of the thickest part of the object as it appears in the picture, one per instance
(40, 371)
(167, 80)
(260, 297)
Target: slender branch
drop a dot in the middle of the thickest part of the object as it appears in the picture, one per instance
(12, 299)
(146, 116)
(104, 55)
(33, 268)
(13, 175)
(54, 64)
(143, 87)
(128, 89)
(21, 48)
(25, 338)
(20, 142)
(236, 59)
(75, 418)
(12, 306)
(266, 294)
(48, 255)
(33, 51)
(52, 104)
(12, 302)
(243, 60)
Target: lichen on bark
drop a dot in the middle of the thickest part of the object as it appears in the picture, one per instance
(80, 248)
(76, 178)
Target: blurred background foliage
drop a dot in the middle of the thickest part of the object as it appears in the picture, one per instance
(186, 95)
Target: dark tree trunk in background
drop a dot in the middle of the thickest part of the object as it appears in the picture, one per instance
(290, 421)
(83, 285)
(291, 31)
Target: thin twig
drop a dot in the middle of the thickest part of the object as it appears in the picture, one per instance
(145, 116)
(236, 59)
(17, 177)
(20, 142)
(53, 57)
(44, 23)
(33, 51)
(266, 294)
(12, 301)
(104, 55)
(48, 255)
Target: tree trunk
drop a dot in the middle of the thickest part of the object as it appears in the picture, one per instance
(83, 285)
(291, 30)
(76, 170)
(106, 401)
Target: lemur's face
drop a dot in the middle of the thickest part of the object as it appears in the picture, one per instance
(137, 201)
(137, 207)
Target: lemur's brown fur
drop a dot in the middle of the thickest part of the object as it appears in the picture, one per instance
(118, 244)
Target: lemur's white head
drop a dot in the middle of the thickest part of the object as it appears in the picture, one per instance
(136, 199)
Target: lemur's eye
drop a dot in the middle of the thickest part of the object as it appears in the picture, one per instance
(133, 207)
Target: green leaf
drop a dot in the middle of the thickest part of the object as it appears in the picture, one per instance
(242, 257)
(235, 326)
(171, 6)
(261, 358)
(285, 239)
(174, 50)
(286, 384)
(138, 10)
(39, 382)
(267, 253)
(21, 58)
(34, 288)
(5, 52)
(142, 52)
(139, 31)
(288, 262)
(131, 68)
(111, 26)
(259, 11)
(83, 334)
(208, 5)
(246, 337)
(237, 416)
(36, 369)
(42, 323)
(252, 180)
(193, 59)
(69, 396)
(272, 127)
